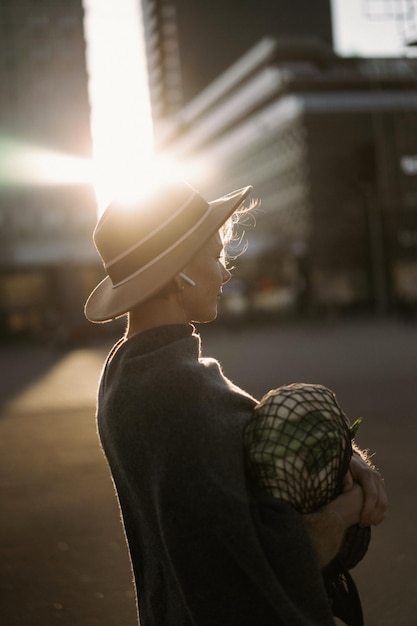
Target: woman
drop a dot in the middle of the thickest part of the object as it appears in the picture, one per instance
(204, 548)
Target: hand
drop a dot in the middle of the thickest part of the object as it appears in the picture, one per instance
(349, 504)
(375, 501)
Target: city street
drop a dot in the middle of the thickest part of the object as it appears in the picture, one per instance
(62, 551)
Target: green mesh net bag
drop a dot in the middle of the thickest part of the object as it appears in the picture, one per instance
(298, 446)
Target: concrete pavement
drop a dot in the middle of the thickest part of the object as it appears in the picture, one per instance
(62, 549)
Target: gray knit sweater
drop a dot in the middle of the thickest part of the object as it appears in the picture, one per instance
(205, 550)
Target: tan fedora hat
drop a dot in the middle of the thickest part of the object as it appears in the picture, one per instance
(145, 244)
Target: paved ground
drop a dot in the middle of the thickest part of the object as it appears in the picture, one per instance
(62, 553)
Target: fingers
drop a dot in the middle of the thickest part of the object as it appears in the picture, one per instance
(375, 497)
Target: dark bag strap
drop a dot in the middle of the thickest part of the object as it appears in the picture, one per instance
(343, 594)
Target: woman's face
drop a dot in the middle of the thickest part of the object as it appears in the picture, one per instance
(208, 272)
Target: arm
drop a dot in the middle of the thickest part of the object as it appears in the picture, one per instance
(327, 527)
(326, 530)
(363, 501)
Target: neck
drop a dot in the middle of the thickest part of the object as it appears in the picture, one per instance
(156, 312)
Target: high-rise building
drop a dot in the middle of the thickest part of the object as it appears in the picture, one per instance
(45, 227)
(330, 147)
(191, 42)
(329, 144)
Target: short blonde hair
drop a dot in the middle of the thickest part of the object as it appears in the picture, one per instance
(231, 236)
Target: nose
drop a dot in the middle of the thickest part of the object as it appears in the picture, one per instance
(226, 275)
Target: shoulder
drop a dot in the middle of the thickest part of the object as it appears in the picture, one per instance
(167, 377)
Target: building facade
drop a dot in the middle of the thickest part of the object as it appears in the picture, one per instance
(47, 259)
(330, 147)
(190, 43)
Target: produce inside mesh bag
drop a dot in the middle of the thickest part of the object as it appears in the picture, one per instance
(298, 446)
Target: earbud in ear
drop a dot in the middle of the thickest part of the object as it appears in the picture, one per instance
(187, 279)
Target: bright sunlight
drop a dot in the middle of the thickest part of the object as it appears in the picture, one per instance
(123, 158)
(22, 164)
(125, 165)
(121, 117)
(120, 114)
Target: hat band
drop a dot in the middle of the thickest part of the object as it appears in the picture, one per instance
(160, 244)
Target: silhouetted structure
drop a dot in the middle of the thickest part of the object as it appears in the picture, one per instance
(403, 12)
(45, 237)
(330, 145)
(189, 44)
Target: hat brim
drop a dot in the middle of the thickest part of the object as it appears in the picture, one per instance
(107, 302)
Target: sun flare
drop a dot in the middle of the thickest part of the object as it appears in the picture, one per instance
(23, 165)
(121, 115)
(123, 163)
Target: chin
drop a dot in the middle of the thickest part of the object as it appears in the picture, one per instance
(212, 317)
(205, 319)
